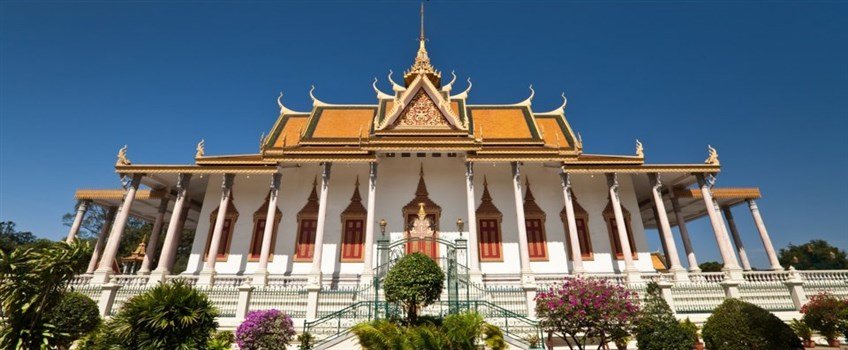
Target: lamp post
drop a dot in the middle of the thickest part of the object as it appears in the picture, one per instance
(383, 225)
(459, 226)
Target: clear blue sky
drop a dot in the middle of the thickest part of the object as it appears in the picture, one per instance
(765, 83)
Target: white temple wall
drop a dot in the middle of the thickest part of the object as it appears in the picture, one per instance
(396, 184)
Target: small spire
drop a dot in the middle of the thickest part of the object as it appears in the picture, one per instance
(421, 37)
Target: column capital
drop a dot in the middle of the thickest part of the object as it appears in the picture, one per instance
(612, 181)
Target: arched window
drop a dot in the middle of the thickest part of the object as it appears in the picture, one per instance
(307, 221)
(226, 233)
(353, 228)
(489, 242)
(581, 219)
(259, 222)
(429, 246)
(534, 223)
(612, 228)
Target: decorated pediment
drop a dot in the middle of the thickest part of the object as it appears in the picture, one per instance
(421, 107)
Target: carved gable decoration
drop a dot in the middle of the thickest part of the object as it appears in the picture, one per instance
(421, 112)
(421, 106)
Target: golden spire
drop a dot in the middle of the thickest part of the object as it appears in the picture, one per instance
(422, 65)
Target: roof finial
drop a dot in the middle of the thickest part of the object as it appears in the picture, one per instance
(640, 151)
(712, 159)
(421, 37)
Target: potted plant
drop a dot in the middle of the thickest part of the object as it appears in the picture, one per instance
(804, 332)
(692, 329)
(824, 313)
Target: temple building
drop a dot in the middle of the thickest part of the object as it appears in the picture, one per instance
(506, 190)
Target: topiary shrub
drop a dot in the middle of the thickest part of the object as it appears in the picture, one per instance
(738, 325)
(75, 316)
(657, 328)
(265, 330)
(172, 315)
(415, 281)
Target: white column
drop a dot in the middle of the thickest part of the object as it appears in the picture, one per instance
(764, 236)
(727, 256)
(574, 240)
(621, 225)
(473, 247)
(208, 273)
(101, 239)
(523, 249)
(315, 273)
(82, 208)
(737, 240)
(104, 269)
(661, 233)
(169, 246)
(662, 221)
(153, 242)
(684, 233)
(260, 277)
(367, 260)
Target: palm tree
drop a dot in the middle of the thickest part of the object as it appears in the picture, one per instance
(172, 315)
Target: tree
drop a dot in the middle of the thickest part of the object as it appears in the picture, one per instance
(711, 266)
(172, 315)
(816, 254)
(10, 238)
(657, 328)
(581, 310)
(739, 325)
(415, 281)
(32, 283)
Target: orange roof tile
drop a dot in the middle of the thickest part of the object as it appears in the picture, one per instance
(292, 127)
(500, 123)
(343, 122)
(552, 132)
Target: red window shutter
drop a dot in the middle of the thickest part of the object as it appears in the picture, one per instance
(535, 238)
(352, 242)
(490, 244)
(583, 238)
(306, 242)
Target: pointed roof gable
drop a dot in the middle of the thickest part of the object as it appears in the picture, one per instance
(421, 106)
(531, 209)
(422, 196)
(355, 208)
(487, 207)
(311, 207)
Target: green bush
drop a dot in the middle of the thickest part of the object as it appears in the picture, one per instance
(415, 281)
(657, 328)
(75, 316)
(221, 341)
(170, 316)
(463, 331)
(691, 330)
(738, 325)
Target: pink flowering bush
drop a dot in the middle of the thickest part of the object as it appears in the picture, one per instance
(265, 330)
(586, 310)
(826, 313)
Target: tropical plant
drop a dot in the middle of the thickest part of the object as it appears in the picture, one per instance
(222, 340)
(826, 313)
(171, 315)
(657, 328)
(265, 330)
(582, 310)
(736, 324)
(32, 282)
(306, 341)
(414, 282)
(802, 330)
(463, 331)
(75, 316)
(816, 254)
